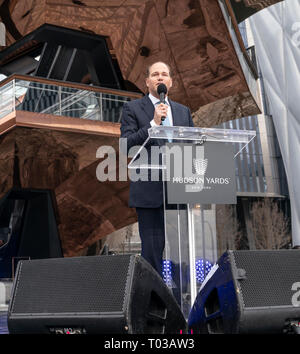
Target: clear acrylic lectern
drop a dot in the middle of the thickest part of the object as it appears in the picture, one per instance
(190, 229)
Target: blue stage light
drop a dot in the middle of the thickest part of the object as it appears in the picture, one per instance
(167, 272)
(202, 269)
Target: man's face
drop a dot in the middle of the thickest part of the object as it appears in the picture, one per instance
(158, 74)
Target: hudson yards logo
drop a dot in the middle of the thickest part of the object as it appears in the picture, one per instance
(198, 177)
(197, 181)
(200, 166)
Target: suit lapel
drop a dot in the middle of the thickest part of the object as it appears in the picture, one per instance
(147, 107)
(175, 116)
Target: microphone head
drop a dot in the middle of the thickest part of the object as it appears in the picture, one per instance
(162, 88)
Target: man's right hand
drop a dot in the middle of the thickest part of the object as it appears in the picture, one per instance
(161, 110)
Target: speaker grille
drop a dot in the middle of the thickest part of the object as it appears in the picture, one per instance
(269, 276)
(77, 286)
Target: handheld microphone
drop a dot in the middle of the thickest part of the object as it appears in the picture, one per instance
(162, 91)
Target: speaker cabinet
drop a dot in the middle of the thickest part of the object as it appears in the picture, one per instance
(249, 292)
(96, 294)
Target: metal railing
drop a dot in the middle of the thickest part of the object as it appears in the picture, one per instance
(39, 95)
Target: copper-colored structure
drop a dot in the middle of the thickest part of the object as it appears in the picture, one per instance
(258, 4)
(246, 8)
(190, 35)
(210, 72)
(43, 151)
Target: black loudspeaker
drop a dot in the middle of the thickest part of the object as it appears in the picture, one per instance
(250, 292)
(95, 294)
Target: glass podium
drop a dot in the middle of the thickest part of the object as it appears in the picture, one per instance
(190, 228)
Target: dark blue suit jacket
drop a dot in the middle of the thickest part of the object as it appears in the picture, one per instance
(135, 123)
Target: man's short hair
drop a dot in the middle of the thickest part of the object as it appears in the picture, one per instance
(149, 66)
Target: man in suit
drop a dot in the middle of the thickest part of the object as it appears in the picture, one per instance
(147, 196)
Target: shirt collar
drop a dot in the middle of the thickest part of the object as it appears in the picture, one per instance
(154, 100)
